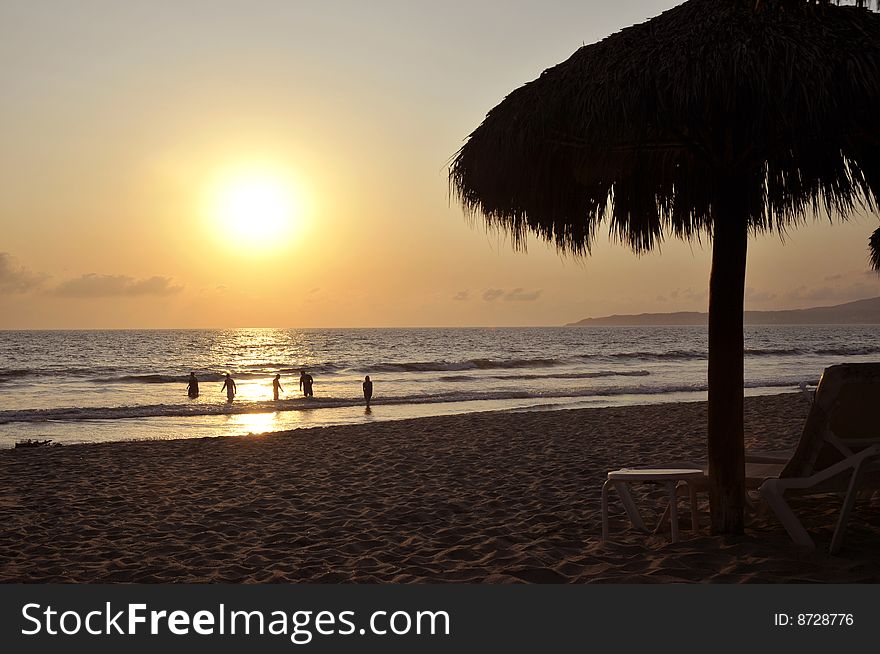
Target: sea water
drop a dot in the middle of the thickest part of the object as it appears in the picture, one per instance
(88, 386)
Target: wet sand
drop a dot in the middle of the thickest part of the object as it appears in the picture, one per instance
(491, 497)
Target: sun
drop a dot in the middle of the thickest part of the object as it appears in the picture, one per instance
(254, 209)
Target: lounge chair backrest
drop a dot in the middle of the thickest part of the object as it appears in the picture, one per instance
(844, 418)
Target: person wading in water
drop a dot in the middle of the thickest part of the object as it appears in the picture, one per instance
(192, 388)
(305, 383)
(368, 391)
(229, 387)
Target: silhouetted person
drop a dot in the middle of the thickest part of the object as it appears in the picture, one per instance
(192, 388)
(368, 390)
(276, 386)
(305, 383)
(229, 387)
(302, 381)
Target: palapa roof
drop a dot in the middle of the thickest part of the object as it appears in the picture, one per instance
(646, 127)
(874, 249)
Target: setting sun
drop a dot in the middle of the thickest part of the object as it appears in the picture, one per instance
(254, 208)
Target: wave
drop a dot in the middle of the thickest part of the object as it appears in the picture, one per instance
(560, 375)
(651, 356)
(168, 410)
(287, 369)
(832, 351)
(681, 355)
(181, 378)
(116, 375)
(156, 379)
(51, 371)
(471, 364)
(7, 375)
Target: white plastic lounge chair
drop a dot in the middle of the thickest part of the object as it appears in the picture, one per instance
(839, 450)
(760, 466)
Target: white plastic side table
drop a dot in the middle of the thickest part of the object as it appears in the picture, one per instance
(621, 479)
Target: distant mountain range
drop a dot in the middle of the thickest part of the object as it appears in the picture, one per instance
(861, 312)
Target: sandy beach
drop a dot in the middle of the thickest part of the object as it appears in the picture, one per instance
(490, 497)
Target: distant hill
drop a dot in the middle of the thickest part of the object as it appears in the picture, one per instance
(861, 312)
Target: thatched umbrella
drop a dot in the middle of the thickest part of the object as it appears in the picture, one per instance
(874, 247)
(718, 118)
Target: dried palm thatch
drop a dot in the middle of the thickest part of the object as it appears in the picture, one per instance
(656, 116)
(874, 248)
(716, 118)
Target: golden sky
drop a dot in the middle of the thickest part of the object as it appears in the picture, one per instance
(132, 135)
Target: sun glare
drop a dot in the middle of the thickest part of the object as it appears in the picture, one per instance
(255, 209)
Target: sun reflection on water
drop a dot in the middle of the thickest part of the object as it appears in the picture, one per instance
(254, 390)
(255, 423)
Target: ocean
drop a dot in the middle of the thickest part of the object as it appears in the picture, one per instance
(90, 386)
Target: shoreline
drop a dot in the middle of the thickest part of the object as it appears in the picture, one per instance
(318, 428)
(490, 497)
(126, 424)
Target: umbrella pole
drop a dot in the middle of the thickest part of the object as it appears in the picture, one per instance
(726, 294)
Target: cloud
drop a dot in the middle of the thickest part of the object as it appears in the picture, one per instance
(15, 278)
(462, 295)
(94, 286)
(520, 295)
(832, 294)
(690, 294)
(516, 295)
(758, 297)
(845, 287)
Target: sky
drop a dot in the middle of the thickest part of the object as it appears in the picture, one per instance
(284, 164)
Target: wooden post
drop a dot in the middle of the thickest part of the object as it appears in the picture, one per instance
(726, 296)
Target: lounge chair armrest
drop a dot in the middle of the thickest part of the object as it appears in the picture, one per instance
(853, 462)
(769, 456)
(765, 458)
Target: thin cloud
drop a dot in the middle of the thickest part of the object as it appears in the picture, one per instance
(462, 296)
(15, 278)
(845, 293)
(521, 295)
(97, 286)
(493, 294)
(690, 295)
(758, 297)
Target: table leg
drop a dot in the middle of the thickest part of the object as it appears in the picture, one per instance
(673, 510)
(605, 510)
(629, 505)
(695, 518)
